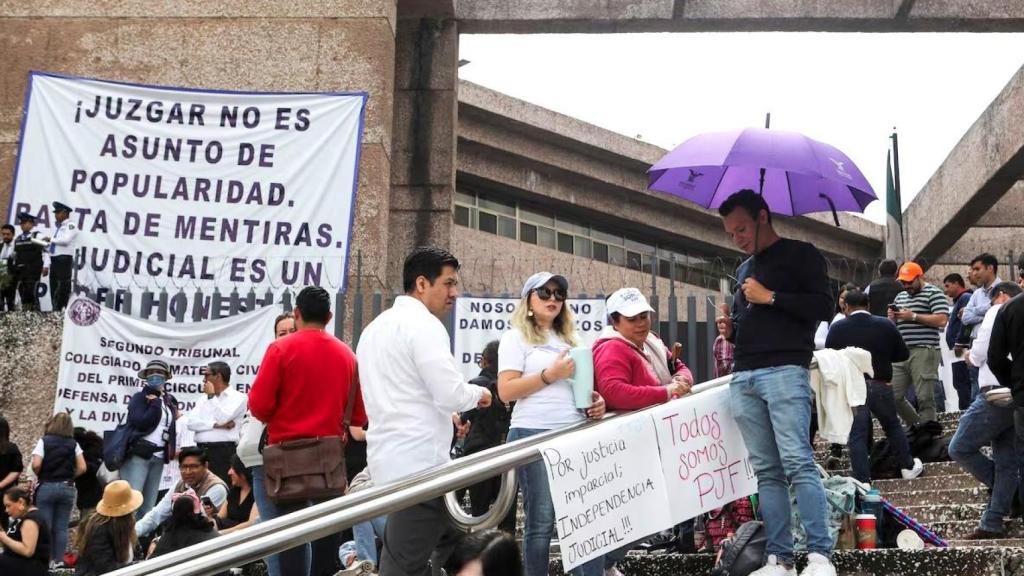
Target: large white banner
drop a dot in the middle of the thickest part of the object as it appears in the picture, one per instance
(176, 186)
(649, 472)
(102, 351)
(480, 320)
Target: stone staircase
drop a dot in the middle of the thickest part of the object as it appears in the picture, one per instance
(944, 498)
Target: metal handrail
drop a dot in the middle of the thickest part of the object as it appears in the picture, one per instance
(503, 503)
(330, 517)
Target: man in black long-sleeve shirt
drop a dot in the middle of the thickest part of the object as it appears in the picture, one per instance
(881, 338)
(782, 295)
(1008, 341)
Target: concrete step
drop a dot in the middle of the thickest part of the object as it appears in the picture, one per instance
(929, 514)
(962, 561)
(1003, 543)
(930, 469)
(960, 529)
(935, 497)
(948, 482)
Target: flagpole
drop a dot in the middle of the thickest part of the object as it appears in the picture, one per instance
(896, 185)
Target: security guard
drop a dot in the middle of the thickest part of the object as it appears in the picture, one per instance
(62, 255)
(30, 261)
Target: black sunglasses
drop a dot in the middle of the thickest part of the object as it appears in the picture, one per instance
(545, 293)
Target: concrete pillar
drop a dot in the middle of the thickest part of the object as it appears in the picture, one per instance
(424, 130)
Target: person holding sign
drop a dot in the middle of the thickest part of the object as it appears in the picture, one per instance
(782, 295)
(633, 367)
(534, 368)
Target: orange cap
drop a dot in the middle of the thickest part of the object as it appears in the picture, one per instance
(910, 271)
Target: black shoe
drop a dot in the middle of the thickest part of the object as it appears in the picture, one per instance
(980, 534)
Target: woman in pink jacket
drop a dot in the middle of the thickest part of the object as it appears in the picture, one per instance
(632, 366)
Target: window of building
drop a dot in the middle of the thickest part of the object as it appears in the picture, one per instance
(600, 252)
(581, 247)
(546, 237)
(565, 243)
(488, 222)
(527, 232)
(507, 227)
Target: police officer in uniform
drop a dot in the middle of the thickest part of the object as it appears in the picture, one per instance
(62, 255)
(30, 261)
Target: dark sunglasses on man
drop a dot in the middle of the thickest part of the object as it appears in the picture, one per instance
(545, 293)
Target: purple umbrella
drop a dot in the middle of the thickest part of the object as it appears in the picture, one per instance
(796, 174)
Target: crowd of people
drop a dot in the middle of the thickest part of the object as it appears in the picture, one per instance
(322, 419)
(27, 258)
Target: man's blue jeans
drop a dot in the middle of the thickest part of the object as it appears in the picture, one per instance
(540, 516)
(772, 407)
(981, 425)
(881, 403)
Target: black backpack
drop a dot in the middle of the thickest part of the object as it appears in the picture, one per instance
(883, 461)
(744, 552)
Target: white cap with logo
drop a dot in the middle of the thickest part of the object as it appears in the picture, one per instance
(628, 302)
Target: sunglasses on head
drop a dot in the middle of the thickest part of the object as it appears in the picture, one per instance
(545, 293)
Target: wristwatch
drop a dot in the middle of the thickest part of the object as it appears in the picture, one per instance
(913, 317)
(772, 303)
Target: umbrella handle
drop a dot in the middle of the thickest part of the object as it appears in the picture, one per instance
(831, 205)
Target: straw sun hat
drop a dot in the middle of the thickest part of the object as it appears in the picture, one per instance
(119, 500)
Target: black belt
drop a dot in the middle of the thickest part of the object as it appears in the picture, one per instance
(56, 256)
(216, 443)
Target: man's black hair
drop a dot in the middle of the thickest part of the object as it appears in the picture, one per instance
(490, 354)
(7, 227)
(955, 279)
(1009, 288)
(426, 261)
(193, 452)
(749, 201)
(887, 268)
(314, 303)
(856, 298)
(987, 259)
(221, 369)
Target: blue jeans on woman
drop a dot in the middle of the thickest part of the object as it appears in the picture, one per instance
(540, 516)
(143, 474)
(268, 511)
(364, 543)
(55, 501)
(772, 407)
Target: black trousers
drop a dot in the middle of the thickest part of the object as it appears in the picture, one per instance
(418, 540)
(27, 286)
(7, 297)
(962, 384)
(219, 455)
(60, 280)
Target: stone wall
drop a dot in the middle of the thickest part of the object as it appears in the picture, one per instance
(30, 343)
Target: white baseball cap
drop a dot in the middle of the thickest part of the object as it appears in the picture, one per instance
(541, 278)
(628, 302)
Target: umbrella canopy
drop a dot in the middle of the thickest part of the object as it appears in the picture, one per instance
(800, 174)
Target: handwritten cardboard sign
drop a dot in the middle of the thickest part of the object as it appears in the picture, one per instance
(704, 459)
(607, 488)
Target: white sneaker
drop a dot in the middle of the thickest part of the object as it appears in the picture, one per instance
(613, 571)
(913, 472)
(773, 568)
(818, 565)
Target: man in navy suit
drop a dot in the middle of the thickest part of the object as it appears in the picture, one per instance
(880, 337)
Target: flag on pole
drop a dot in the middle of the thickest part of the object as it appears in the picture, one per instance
(894, 249)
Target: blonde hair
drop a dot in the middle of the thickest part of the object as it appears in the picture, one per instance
(564, 324)
(60, 424)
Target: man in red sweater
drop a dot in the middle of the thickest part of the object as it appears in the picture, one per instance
(300, 391)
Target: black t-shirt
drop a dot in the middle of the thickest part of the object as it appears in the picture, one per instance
(42, 553)
(238, 509)
(10, 461)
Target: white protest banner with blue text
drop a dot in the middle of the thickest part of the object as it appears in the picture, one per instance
(479, 320)
(192, 187)
(102, 351)
(607, 488)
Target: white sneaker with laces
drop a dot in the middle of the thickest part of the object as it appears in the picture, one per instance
(913, 472)
(818, 565)
(773, 568)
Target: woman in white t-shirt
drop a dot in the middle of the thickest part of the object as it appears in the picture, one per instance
(532, 369)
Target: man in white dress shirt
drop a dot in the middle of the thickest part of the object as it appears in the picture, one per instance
(411, 387)
(217, 420)
(62, 255)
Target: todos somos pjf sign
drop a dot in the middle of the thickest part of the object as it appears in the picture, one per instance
(480, 320)
(187, 186)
